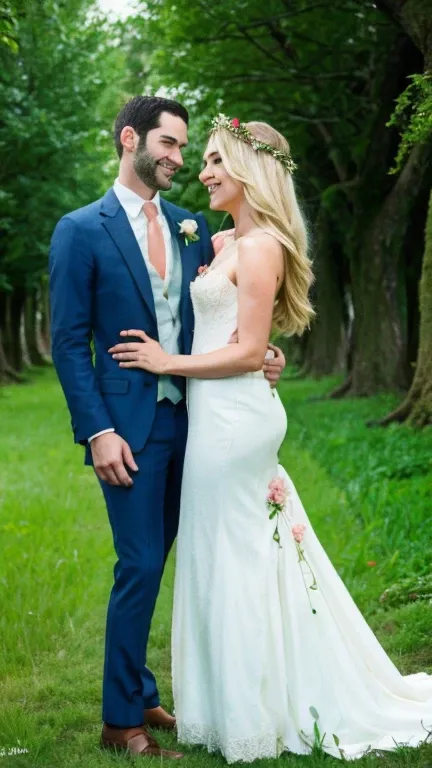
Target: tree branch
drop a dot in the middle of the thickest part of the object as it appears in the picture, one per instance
(244, 31)
(292, 75)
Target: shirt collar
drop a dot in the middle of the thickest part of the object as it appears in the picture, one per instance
(133, 203)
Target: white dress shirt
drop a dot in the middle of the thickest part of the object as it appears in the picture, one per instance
(133, 207)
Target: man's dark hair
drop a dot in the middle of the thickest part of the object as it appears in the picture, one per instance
(143, 113)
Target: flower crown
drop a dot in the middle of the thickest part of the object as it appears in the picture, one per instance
(240, 131)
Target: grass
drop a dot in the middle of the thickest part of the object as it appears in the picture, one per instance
(365, 490)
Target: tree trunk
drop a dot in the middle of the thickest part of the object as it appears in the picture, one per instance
(326, 346)
(415, 17)
(12, 339)
(7, 373)
(417, 406)
(45, 330)
(413, 251)
(381, 209)
(30, 329)
(380, 361)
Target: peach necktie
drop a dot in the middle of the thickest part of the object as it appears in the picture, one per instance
(155, 239)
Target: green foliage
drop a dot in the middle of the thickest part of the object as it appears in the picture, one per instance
(413, 116)
(307, 72)
(8, 25)
(384, 476)
(408, 590)
(55, 147)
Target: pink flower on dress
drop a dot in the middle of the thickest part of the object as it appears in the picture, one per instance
(277, 484)
(298, 532)
(277, 496)
(202, 270)
(278, 491)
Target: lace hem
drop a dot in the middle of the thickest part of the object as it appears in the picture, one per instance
(269, 745)
(264, 745)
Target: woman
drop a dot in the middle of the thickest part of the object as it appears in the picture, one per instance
(265, 635)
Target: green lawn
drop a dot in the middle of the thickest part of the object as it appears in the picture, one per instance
(365, 490)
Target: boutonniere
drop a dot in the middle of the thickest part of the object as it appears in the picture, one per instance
(188, 228)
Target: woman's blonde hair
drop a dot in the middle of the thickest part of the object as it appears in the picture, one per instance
(269, 190)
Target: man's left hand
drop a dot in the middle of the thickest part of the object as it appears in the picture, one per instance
(274, 366)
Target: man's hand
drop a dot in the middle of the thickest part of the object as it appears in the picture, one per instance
(274, 364)
(110, 454)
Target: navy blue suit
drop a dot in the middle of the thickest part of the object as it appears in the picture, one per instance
(100, 286)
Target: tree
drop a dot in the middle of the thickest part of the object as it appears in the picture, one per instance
(417, 102)
(415, 17)
(328, 81)
(54, 147)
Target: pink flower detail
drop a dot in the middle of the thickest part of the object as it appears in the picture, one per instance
(298, 532)
(202, 270)
(278, 491)
(277, 497)
(235, 122)
(277, 484)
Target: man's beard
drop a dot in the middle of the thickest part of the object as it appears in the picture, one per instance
(145, 167)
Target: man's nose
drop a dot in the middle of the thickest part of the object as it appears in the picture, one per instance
(176, 157)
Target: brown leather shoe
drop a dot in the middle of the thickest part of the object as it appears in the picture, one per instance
(159, 718)
(135, 741)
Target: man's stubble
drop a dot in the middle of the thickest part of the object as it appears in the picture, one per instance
(145, 167)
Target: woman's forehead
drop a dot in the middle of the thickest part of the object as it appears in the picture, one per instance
(210, 149)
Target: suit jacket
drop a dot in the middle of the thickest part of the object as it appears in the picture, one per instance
(99, 285)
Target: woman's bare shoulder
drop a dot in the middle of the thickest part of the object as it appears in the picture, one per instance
(260, 247)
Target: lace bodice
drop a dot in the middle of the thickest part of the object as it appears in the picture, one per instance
(214, 299)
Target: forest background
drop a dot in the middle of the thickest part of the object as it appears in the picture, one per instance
(350, 85)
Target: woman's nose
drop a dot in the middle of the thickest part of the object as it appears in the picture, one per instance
(204, 175)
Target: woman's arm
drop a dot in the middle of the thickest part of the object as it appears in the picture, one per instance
(259, 272)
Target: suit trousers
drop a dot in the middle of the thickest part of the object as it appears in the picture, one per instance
(144, 522)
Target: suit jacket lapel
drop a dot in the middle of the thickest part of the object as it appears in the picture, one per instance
(115, 221)
(187, 264)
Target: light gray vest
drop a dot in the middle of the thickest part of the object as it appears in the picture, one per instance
(168, 317)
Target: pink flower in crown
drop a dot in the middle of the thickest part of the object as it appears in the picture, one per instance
(235, 122)
(298, 532)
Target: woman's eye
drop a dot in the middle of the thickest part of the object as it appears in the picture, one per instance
(217, 160)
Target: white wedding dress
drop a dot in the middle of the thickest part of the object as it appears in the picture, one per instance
(250, 658)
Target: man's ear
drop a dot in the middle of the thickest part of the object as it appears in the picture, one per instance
(129, 138)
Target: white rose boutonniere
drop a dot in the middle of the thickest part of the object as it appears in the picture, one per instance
(188, 228)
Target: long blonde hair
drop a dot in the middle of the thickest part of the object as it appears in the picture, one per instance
(269, 190)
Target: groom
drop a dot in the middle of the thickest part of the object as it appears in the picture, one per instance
(123, 262)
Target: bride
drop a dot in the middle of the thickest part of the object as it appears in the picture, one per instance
(270, 653)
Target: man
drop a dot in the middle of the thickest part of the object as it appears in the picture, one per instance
(124, 262)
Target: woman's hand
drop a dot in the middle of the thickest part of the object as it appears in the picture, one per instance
(148, 355)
